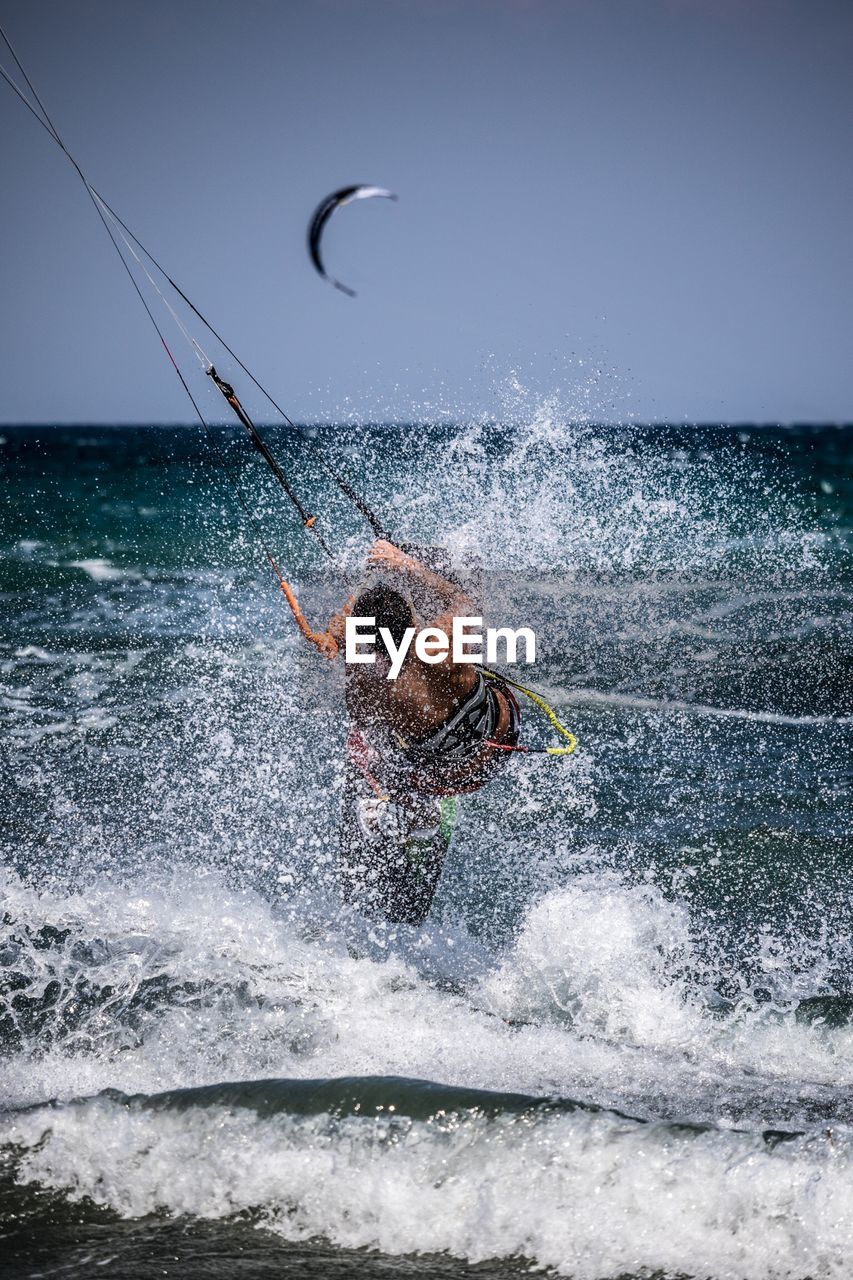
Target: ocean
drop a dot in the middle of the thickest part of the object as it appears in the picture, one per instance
(622, 1043)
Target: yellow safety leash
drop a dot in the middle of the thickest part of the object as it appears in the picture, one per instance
(551, 715)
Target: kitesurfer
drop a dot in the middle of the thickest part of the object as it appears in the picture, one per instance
(415, 742)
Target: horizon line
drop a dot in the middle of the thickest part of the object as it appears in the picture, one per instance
(707, 424)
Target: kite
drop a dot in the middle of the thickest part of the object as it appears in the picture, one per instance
(323, 213)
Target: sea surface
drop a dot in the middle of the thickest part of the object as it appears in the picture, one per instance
(622, 1043)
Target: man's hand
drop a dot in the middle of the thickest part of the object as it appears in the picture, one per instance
(386, 554)
(327, 644)
(324, 642)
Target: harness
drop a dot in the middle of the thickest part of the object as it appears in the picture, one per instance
(468, 730)
(469, 727)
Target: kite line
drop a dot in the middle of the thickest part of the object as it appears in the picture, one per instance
(118, 230)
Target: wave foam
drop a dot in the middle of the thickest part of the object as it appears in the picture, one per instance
(588, 1195)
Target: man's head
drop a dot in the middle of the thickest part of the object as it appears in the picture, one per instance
(388, 607)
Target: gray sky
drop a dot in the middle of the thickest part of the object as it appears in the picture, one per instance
(660, 189)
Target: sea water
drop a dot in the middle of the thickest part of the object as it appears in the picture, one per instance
(622, 1043)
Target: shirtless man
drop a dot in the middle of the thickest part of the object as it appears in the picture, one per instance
(437, 730)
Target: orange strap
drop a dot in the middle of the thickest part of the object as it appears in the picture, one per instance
(320, 639)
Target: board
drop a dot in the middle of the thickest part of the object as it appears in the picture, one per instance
(391, 852)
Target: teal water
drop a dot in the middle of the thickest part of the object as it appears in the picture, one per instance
(631, 1005)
